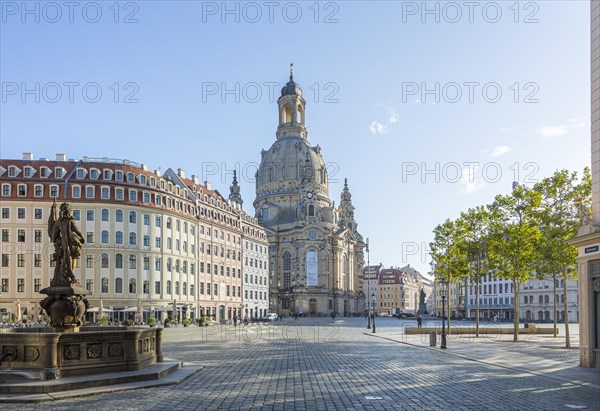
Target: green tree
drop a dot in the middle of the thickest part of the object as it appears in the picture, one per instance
(473, 239)
(559, 220)
(448, 259)
(514, 240)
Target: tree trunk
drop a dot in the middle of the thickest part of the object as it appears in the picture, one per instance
(555, 302)
(566, 308)
(516, 319)
(477, 308)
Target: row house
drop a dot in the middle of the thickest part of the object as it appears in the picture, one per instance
(153, 239)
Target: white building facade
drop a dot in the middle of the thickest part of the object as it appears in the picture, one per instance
(537, 302)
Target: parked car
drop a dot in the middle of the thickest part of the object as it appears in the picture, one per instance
(272, 317)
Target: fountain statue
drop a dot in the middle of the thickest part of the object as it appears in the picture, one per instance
(65, 304)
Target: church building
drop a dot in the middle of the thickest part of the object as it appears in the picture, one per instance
(316, 255)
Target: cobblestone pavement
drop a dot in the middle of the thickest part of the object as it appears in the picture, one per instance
(295, 365)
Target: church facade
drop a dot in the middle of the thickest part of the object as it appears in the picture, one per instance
(316, 254)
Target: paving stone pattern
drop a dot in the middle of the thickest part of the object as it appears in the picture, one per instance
(296, 365)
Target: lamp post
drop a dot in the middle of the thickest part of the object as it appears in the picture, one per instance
(443, 295)
(368, 289)
(373, 299)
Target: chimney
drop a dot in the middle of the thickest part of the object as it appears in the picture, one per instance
(181, 172)
(195, 179)
(61, 157)
(208, 185)
(27, 156)
(158, 172)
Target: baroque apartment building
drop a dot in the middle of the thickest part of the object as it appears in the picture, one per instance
(256, 271)
(496, 298)
(537, 303)
(454, 306)
(157, 240)
(396, 290)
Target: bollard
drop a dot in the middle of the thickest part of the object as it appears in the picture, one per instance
(432, 339)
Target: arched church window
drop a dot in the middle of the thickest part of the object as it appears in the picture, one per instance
(345, 264)
(311, 210)
(287, 261)
(271, 173)
(300, 114)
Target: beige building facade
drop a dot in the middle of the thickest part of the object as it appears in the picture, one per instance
(154, 240)
(588, 240)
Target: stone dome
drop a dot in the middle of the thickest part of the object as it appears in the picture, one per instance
(289, 165)
(291, 88)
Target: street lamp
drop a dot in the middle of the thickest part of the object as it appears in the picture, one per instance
(443, 295)
(373, 299)
(368, 288)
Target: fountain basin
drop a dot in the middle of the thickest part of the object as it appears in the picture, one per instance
(40, 353)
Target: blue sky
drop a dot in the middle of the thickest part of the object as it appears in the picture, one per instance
(414, 153)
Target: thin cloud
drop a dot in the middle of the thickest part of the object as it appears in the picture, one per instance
(500, 150)
(393, 115)
(553, 131)
(576, 123)
(469, 183)
(378, 128)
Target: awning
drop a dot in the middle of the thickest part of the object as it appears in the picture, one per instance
(96, 309)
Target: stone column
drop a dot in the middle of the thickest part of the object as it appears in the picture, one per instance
(159, 355)
(49, 356)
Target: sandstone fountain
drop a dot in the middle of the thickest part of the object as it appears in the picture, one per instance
(68, 349)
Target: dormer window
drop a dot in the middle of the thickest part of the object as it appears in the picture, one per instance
(59, 172)
(44, 172)
(13, 171)
(142, 179)
(94, 174)
(29, 171)
(119, 175)
(107, 174)
(130, 178)
(81, 173)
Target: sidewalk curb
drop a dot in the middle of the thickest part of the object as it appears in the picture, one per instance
(464, 357)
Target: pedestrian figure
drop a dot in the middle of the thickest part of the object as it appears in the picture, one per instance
(235, 320)
(419, 321)
(295, 316)
(246, 319)
(332, 317)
